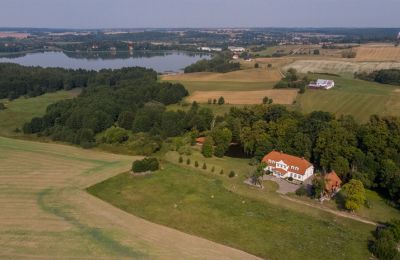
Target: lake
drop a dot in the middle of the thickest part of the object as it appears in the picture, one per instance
(169, 61)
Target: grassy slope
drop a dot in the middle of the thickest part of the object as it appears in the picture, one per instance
(350, 96)
(200, 204)
(23, 109)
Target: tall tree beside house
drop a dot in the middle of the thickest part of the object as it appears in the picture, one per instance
(222, 138)
(354, 194)
(318, 187)
(208, 147)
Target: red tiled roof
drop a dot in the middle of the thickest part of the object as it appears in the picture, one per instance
(332, 181)
(200, 140)
(290, 160)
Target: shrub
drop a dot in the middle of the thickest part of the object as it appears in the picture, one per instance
(188, 161)
(290, 178)
(256, 65)
(213, 169)
(2, 106)
(147, 164)
(115, 135)
(204, 166)
(301, 191)
(180, 159)
(196, 164)
(221, 101)
(208, 147)
(221, 172)
(231, 174)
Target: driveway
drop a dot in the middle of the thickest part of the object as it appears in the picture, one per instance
(284, 186)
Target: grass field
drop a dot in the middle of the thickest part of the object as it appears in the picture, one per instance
(248, 75)
(354, 97)
(342, 66)
(21, 110)
(242, 80)
(279, 96)
(200, 204)
(47, 214)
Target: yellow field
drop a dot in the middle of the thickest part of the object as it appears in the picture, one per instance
(47, 214)
(378, 53)
(249, 75)
(279, 96)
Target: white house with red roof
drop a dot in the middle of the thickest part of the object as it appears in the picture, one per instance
(284, 166)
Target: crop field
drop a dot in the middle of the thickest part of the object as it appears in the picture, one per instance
(339, 66)
(21, 110)
(279, 96)
(199, 203)
(358, 98)
(47, 214)
(378, 53)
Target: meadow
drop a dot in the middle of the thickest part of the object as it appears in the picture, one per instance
(47, 214)
(358, 98)
(199, 204)
(22, 110)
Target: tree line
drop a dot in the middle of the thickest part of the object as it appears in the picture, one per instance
(387, 76)
(219, 63)
(17, 80)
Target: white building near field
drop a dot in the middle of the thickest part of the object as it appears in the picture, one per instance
(322, 84)
(284, 166)
(236, 49)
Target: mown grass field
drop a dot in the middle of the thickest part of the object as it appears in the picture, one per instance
(251, 97)
(200, 204)
(47, 214)
(21, 110)
(358, 98)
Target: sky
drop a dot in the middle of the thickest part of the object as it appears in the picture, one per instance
(88, 14)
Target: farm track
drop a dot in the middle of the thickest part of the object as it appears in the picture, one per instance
(47, 214)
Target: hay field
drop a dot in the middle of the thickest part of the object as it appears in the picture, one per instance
(279, 96)
(378, 53)
(248, 75)
(339, 66)
(46, 213)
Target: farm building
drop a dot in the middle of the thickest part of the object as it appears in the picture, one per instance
(285, 166)
(236, 49)
(322, 84)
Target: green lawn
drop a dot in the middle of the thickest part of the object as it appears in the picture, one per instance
(21, 110)
(199, 204)
(358, 98)
(192, 86)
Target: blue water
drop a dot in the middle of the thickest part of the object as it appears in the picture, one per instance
(161, 62)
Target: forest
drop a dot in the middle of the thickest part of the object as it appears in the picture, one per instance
(17, 80)
(219, 63)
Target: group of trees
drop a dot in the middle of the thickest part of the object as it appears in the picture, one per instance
(367, 152)
(137, 104)
(17, 80)
(385, 245)
(147, 164)
(219, 63)
(214, 101)
(292, 80)
(387, 76)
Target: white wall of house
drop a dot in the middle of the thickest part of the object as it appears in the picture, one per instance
(300, 177)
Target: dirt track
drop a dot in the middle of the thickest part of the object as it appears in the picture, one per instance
(47, 214)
